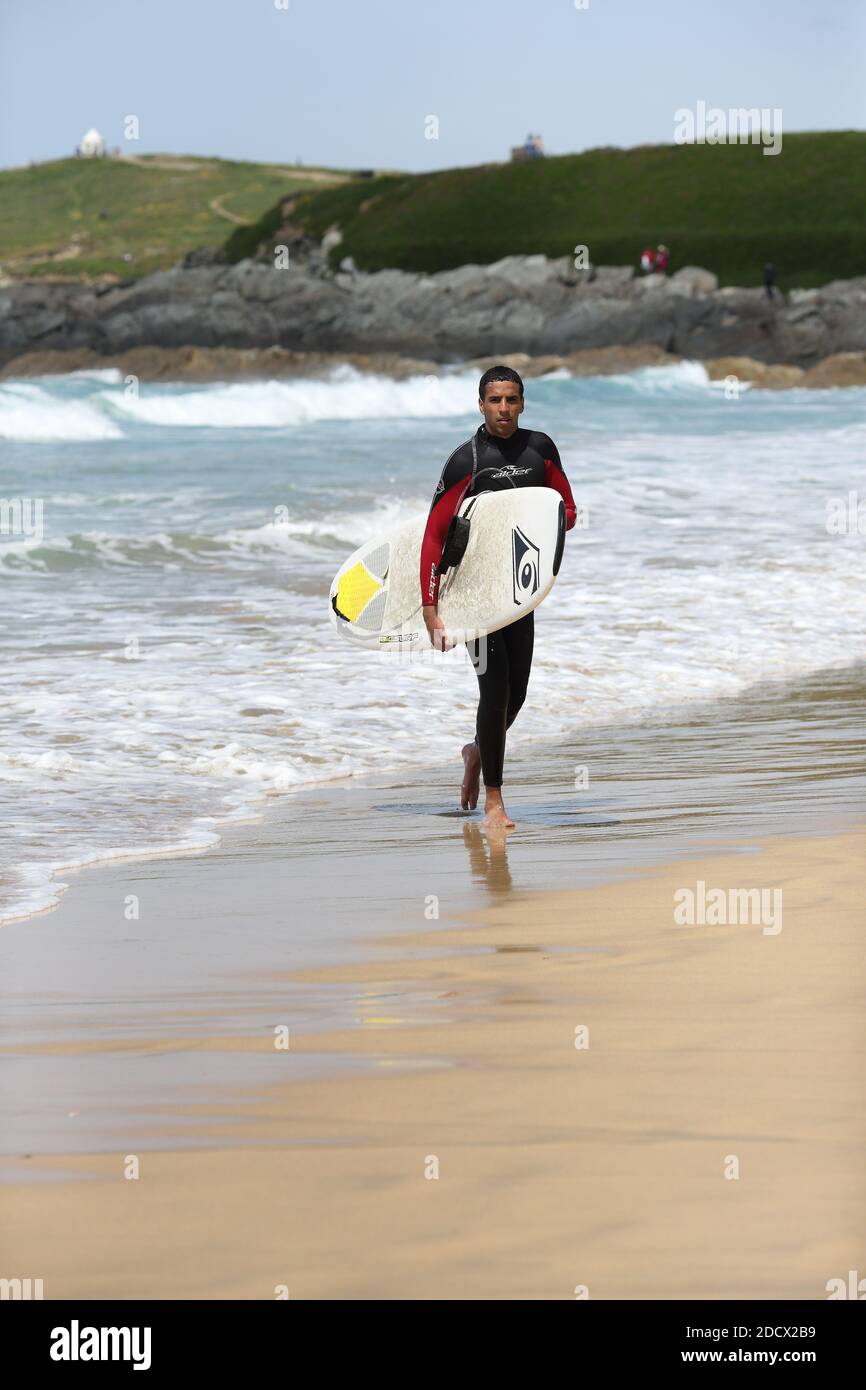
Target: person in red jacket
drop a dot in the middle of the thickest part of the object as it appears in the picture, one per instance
(506, 456)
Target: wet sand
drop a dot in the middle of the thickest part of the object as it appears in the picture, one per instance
(418, 1040)
(606, 1165)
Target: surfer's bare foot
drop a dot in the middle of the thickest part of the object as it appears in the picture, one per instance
(495, 815)
(471, 777)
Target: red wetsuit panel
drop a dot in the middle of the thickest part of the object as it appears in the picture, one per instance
(554, 477)
(434, 537)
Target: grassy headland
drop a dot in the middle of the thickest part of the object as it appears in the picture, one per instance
(727, 207)
(79, 217)
(730, 208)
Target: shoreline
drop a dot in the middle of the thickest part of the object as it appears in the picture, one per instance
(603, 1165)
(202, 835)
(221, 364)
(307, 880)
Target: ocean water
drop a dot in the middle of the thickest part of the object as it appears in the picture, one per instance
(165, 557)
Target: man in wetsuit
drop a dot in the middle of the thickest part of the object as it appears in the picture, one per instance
(524, 458)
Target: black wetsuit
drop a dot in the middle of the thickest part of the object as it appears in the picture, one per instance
(502, 660)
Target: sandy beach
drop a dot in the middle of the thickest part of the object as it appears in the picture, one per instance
(556, 1166)
(548, 1087)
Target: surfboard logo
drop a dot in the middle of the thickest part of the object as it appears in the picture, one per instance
(526, 560)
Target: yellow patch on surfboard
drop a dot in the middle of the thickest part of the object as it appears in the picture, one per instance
(355, 590)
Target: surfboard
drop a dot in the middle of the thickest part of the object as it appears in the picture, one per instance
(514, 552)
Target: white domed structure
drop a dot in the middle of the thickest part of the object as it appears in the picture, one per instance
(92, 145)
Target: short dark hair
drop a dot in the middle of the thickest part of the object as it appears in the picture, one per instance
(499, 374)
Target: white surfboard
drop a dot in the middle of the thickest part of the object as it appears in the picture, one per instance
(516, 539)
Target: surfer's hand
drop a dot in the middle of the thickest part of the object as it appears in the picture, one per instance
(436, 625)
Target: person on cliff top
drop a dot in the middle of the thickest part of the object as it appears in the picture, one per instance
(770, 279)
(662, 257)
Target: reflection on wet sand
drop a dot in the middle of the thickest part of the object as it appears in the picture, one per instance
(488, 857)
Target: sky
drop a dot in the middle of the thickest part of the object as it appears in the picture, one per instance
(353, 83)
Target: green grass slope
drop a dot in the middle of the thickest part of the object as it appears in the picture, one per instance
(727, 207)
(156, 208)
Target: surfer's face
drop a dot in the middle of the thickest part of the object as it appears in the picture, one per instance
(501, 407)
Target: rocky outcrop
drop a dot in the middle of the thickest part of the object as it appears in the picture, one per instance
(520, 304)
